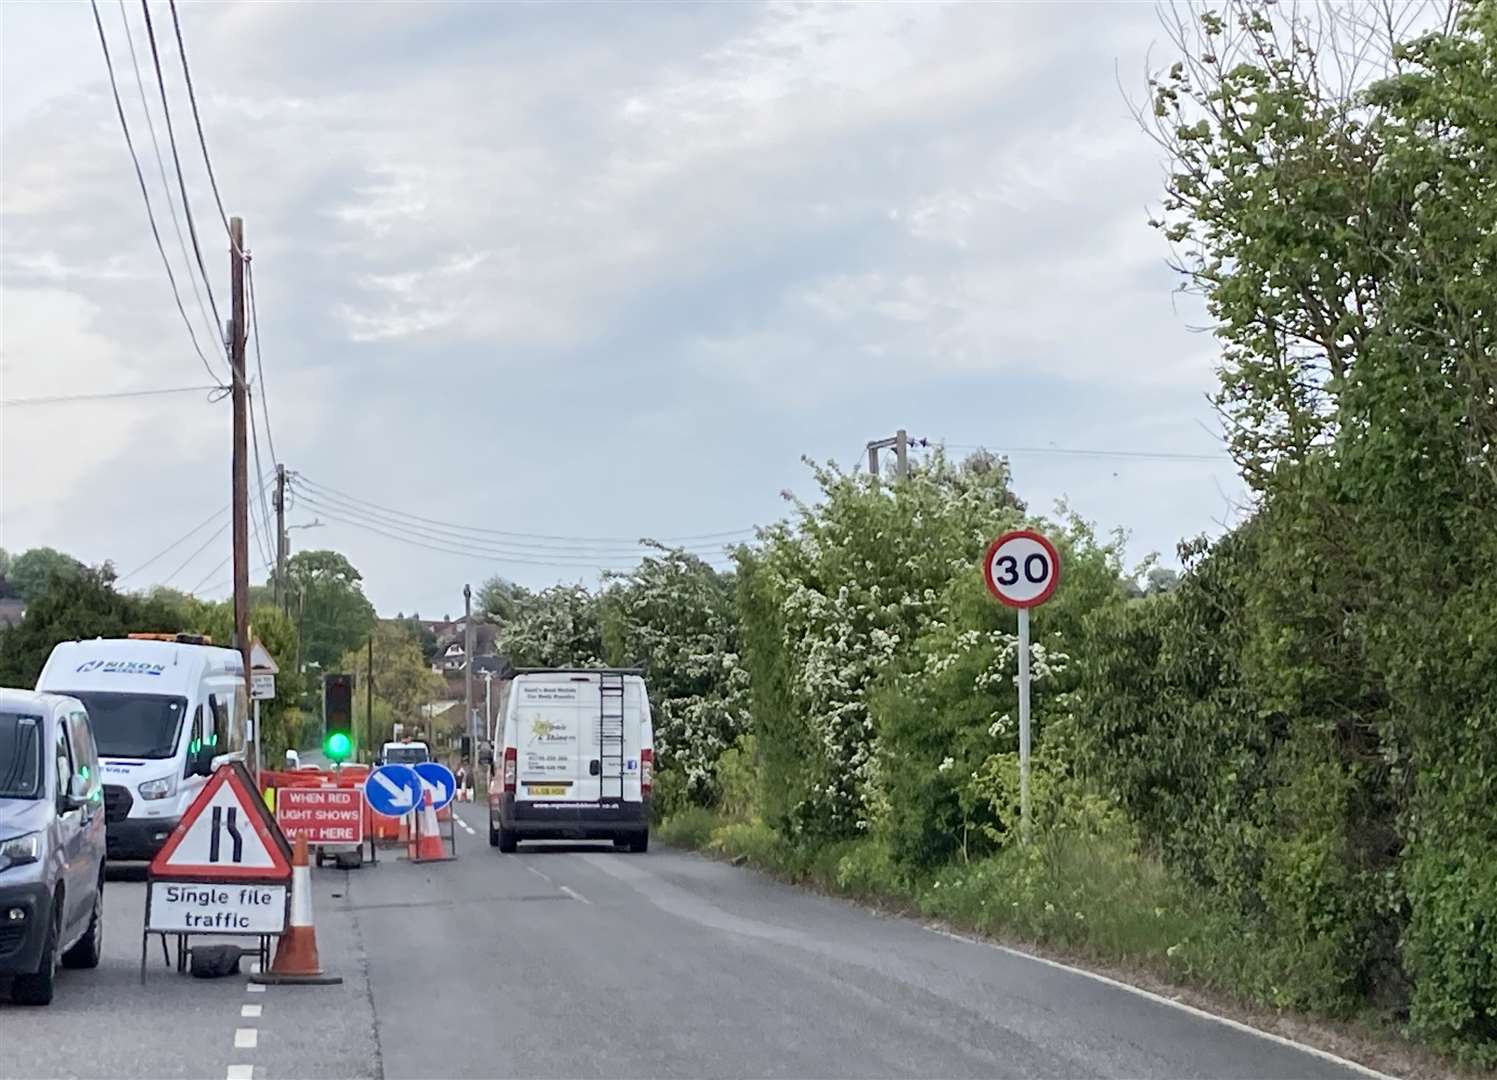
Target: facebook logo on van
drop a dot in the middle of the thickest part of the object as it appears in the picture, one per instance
(122, 667)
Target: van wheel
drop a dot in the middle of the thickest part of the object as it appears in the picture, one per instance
(36, 988)
(90, 947)
(508, 841)
(641, 843)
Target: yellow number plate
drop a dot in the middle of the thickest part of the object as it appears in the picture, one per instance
(547, 789)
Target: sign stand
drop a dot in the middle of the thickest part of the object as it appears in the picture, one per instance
(1022, 569)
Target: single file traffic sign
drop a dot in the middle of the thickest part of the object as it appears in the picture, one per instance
(393, 790)
(439, 780)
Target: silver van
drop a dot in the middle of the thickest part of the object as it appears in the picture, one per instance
(51, 842)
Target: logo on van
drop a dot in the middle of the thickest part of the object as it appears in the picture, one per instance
(548, 731)
(122, 667)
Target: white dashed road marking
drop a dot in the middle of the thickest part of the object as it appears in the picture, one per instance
(574, 894)
(241, 1072)
(250, 1012)
(256, 988)
(246, 1038)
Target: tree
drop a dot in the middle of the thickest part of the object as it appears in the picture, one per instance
(72, 605)
(403, 681)
(556, 627)
(499, 599)
(31, 571)
(329, 604)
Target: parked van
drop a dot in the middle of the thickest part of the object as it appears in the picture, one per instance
(166, 711)
(576, 761)
(404, 752)
(51, 842)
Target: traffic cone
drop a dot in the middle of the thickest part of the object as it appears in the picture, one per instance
(405, 829)
(429, 846)
(296, 953)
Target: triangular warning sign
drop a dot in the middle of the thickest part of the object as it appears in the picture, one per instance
(227, 834)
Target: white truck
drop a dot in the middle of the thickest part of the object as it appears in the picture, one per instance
(166, 710)
(575, 759)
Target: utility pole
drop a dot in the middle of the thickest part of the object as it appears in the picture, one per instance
(240, 463)
(468, 661)
(282, 600)
(900, 444)
(369, 699)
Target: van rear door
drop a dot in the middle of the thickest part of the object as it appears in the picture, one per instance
(555, 742)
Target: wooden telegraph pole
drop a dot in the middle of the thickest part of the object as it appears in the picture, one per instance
(240, 465)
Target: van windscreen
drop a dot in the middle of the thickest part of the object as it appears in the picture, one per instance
(134, 725)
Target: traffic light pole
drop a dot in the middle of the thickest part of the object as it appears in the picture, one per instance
(369, 701)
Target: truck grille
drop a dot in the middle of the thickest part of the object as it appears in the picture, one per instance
(117, 803)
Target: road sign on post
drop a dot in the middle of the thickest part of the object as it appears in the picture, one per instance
(1022, 569)
(393, 790)
(438, 779)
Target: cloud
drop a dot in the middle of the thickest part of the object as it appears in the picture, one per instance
(507, 251)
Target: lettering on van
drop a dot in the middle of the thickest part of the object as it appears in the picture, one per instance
(549, 731)
(547, 693)
(122, 667)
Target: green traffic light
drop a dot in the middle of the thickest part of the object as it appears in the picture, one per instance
(337, 746)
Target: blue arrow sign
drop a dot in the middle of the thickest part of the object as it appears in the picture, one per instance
(439, 781)
(393, 790)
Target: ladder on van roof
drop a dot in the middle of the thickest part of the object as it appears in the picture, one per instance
(610, 735)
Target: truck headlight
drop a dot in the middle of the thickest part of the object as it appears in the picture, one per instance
(20, 849)
(158, 789)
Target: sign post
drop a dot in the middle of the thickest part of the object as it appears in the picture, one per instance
(1022, 569)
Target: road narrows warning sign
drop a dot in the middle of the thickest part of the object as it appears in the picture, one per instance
(227, 834)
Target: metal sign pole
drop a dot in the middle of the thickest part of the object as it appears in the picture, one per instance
(1024, 720)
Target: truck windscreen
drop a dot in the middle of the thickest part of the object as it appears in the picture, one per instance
(134, 725)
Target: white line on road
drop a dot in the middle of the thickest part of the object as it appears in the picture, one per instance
(540, 874)
(1236, 1025)
(241, 1072)
(251, 1012)
(246, 1038)
(255, 988)
(574, 894)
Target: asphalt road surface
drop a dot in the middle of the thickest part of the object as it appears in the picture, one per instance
(579, 961)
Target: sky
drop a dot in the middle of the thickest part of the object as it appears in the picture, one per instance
(575, 274)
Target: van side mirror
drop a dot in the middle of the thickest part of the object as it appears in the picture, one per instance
(77, 793)
(202, 761)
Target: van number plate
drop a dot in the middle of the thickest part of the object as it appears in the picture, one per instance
(547, 789)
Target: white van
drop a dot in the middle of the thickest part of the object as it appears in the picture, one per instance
(404, 752)
(166, 711)
(576, 760)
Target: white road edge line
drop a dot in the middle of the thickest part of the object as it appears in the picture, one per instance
(251, 1012)
(246, 1038)
(241, 1072)
(540, 874)
(1237, 1025)
(573, 893)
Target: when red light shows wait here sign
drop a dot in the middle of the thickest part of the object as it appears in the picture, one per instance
(322, 815)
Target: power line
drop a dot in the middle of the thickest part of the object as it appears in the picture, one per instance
(171, 138)
(453, 548)
(145, 193)
(171, 206)
(179, 541)
(64, 399)
(249, 270)
(259, 471)
(1143, 455)
(499, 548)
(198, 123)
(198, 551)
(582, 541)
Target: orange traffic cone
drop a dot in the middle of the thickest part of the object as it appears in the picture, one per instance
(429, 846)
(296, 953)
(405, 828)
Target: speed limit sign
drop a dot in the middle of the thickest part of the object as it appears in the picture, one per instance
(1022, 568)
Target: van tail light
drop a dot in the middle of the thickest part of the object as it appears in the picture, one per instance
(511, 769)
(646, 771)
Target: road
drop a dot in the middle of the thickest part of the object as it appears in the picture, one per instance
(578, 961)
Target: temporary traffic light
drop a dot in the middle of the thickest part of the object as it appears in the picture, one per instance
(337, 714)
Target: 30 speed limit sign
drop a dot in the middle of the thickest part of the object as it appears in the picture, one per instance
(1021, 568)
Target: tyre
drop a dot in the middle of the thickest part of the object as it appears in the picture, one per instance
(508, 841)
(493, 834)
(36, 988)
(641, 843)
(90, 947)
